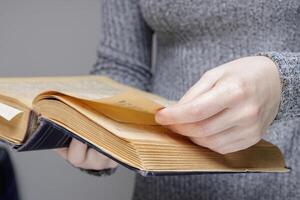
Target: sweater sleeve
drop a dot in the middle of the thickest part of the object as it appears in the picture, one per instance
(124, 53)
(288, 65)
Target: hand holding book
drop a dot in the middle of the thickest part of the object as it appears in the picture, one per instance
(79, 155)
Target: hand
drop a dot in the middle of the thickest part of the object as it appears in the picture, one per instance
(80, 156)
(230, 107)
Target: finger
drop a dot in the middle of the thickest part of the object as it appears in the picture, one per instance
(205, 83)
(213, 125)
(112, 163)
(239, 145)
(218, 140)
(230, 117)
(77, 152)
(205, 106)
(63, 152)
(228, 137)
(97, 161)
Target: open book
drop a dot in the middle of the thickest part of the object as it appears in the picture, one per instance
(117, 120)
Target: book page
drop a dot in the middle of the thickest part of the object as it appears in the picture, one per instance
(88, 87)
(82, 87)
(127, 107)
(8, 112)
(119, 102)
(59, 110)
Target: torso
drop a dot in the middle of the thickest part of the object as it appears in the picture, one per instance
(194, 36)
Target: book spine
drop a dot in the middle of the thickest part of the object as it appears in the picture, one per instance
(44, 134)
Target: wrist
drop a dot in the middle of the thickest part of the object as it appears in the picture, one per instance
(277, 75)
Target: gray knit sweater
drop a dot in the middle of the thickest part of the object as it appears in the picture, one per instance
(192, 37)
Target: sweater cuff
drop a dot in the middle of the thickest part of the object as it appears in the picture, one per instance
(103, 172)
(288, 65)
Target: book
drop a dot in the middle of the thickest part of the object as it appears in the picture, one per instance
(39, 113)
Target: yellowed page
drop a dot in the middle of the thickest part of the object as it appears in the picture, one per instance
(87, 87)
(128, 107)
(126, 104)
(126, 131)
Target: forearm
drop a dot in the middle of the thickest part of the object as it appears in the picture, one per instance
(122, 69)
(124, 53)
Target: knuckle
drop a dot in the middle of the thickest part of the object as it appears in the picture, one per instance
(97, 161)
(240, 83)
(219, 150)
(201, 141)
(183, 130)
(111, 164)
(257, 132)
(195, 110)
(207, 142)
(252, 142)
(253, 112)
(196, 141)
(212, 143)
(256, 128)
(75, 161)
(236, 87)
(256, 140)
(227, 151)
(100, 165)
(203, 131)
(239, 90)
(173, 128)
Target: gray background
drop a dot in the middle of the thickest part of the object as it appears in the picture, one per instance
(57, 37)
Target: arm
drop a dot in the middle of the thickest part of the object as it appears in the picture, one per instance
(124, 53)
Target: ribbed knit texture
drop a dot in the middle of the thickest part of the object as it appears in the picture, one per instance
(194, 36)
